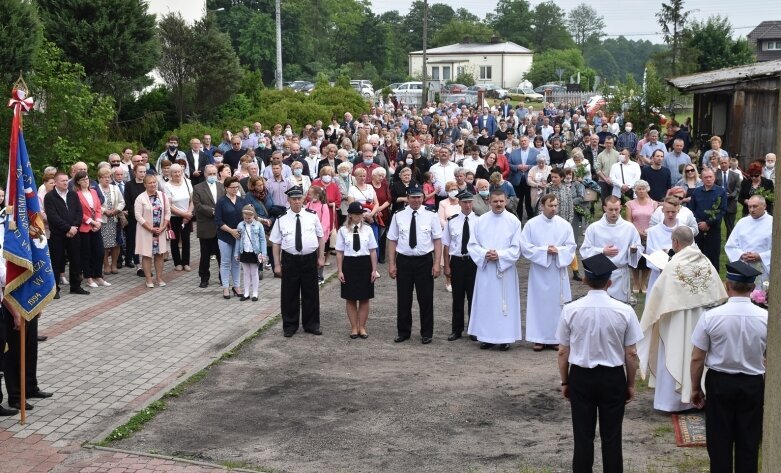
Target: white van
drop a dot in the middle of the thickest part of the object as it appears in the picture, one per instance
(409, 93)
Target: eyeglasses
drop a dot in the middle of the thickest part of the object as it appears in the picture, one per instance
(690, 170)
(233, 187)
(754, 175)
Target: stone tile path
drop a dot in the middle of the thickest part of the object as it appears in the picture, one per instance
(114, 351)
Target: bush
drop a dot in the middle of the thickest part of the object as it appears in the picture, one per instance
(185, 133)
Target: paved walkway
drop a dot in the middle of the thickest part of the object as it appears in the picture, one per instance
(112, 352)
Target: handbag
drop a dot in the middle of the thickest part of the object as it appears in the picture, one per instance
(590, 195)
(170, 235)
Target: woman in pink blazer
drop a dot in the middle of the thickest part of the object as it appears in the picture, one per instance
(89, 231)
(153, 215)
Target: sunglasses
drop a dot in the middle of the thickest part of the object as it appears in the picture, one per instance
(754, 175)
(690, 170)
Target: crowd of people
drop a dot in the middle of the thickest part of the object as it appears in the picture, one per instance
(466, 191)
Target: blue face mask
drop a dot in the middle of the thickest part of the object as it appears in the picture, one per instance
(211, 179)
(368, 162)
(484, 194)
(297, 172)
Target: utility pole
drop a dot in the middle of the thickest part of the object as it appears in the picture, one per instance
(279, 46)
(424, 95)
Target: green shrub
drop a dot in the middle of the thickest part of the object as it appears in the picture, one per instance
(185, 133)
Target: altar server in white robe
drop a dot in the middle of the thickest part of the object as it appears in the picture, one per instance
(685, 216)
(659, 237)
(751, 239)
(548, 242)
(688, 285)
(495, 248)
(618, 240)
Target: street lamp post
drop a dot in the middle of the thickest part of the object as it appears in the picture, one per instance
(279, 46)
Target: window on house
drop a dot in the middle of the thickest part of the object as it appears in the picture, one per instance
(772, 45)
(435, 73)
(460, 70)
(485, 72)
(446, 73)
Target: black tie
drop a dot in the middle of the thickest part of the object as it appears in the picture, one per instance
(465, 237)
(724, 179)
(299, 240)
(413, 231)
(622, 174)
(356, 239)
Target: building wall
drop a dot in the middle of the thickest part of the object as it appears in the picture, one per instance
(767, 55)
(507, 70)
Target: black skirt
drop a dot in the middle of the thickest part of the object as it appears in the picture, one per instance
(357, 278)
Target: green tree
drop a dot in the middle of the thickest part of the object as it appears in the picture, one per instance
(673, 18)
(601, 60)
(545, 65)
(20, 38)
(114, 40)
(631, 56)
(70, 118)
(212, 48)
(549, 29)
(438, 16)
(511, 20)
(585, 24)
(456, 30)
(712, 42)
(176, 66)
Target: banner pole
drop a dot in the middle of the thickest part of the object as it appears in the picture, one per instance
(22, 376)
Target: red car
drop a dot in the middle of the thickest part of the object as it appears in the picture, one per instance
(454, 88)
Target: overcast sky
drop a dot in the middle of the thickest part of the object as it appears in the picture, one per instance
(631, 18)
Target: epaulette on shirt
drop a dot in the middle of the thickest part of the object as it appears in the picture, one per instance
(311, 211)
(432, 210)
(452, 217)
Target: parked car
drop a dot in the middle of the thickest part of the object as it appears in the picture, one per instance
(409, 92)
(454, 89)
(491, 91)
(301, 85)
(364, 87)
(524, 94)
(550, 89)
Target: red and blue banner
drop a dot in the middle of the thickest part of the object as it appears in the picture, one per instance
(30, 280)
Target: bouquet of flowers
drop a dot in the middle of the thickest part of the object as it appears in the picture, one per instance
(759, 296)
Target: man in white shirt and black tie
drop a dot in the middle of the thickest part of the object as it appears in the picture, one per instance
(414, 242)
(298, 248)
(196, 161)
(458, 264)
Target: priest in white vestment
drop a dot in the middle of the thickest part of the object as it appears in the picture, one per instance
(688, 285)
(548, 241)
(618, 240)
(495, 248)
(659, 236)
(751, 239)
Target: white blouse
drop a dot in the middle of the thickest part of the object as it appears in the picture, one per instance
(344, 240)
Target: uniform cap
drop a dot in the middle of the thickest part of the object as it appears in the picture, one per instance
(598, 267)
(414, 189)
(739, 271)
(464, 196)
(355, 208)
(295, 191)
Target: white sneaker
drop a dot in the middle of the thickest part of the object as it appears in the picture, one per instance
(63, 281)
(92, 284)
(105, 283)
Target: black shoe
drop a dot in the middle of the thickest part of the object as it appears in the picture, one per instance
(504, 347)
(576, 277)
(425, 340)
(140, 273)
(129, 264)
(17, 405)
(288, 334)
(7, 412)
(254, 299)
(42, 338)
(203, 284)
(235, 292)
(40, 395)
(57, 294)
(486, 346)
(316, 331)
(79, 290)
(454, 336)
(243, 298)
(353, 336)
(400, 339)
(473, 338)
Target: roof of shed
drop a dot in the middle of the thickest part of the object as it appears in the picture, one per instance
(766, 29)
(478, 48)
(726, 76)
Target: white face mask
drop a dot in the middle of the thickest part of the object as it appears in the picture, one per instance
(627, 129)
(326, 179)
(344, 174)
(770, 165)
(452, 194)
(408, 161)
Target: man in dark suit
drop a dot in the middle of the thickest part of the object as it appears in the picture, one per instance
(487, 121)
(196, 161)
(205, 196)
(63, 212)
(506, 109)
(730, 181)
(329, 159)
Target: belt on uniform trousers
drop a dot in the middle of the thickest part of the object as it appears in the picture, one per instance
(461, 258)
(736, 375)
(599, 367)
(300, 257)
(426, 256)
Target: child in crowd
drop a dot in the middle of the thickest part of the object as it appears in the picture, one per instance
(250, 250)
(429, 190)
(316, 202)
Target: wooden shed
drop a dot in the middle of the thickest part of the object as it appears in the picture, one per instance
(740, 105)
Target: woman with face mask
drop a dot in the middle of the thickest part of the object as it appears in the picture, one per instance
(297, 178)
(447, 208)
(345, 182)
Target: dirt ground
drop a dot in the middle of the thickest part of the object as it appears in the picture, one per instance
(332, 404)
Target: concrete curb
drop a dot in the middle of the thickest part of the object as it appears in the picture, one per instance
(166, 457)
